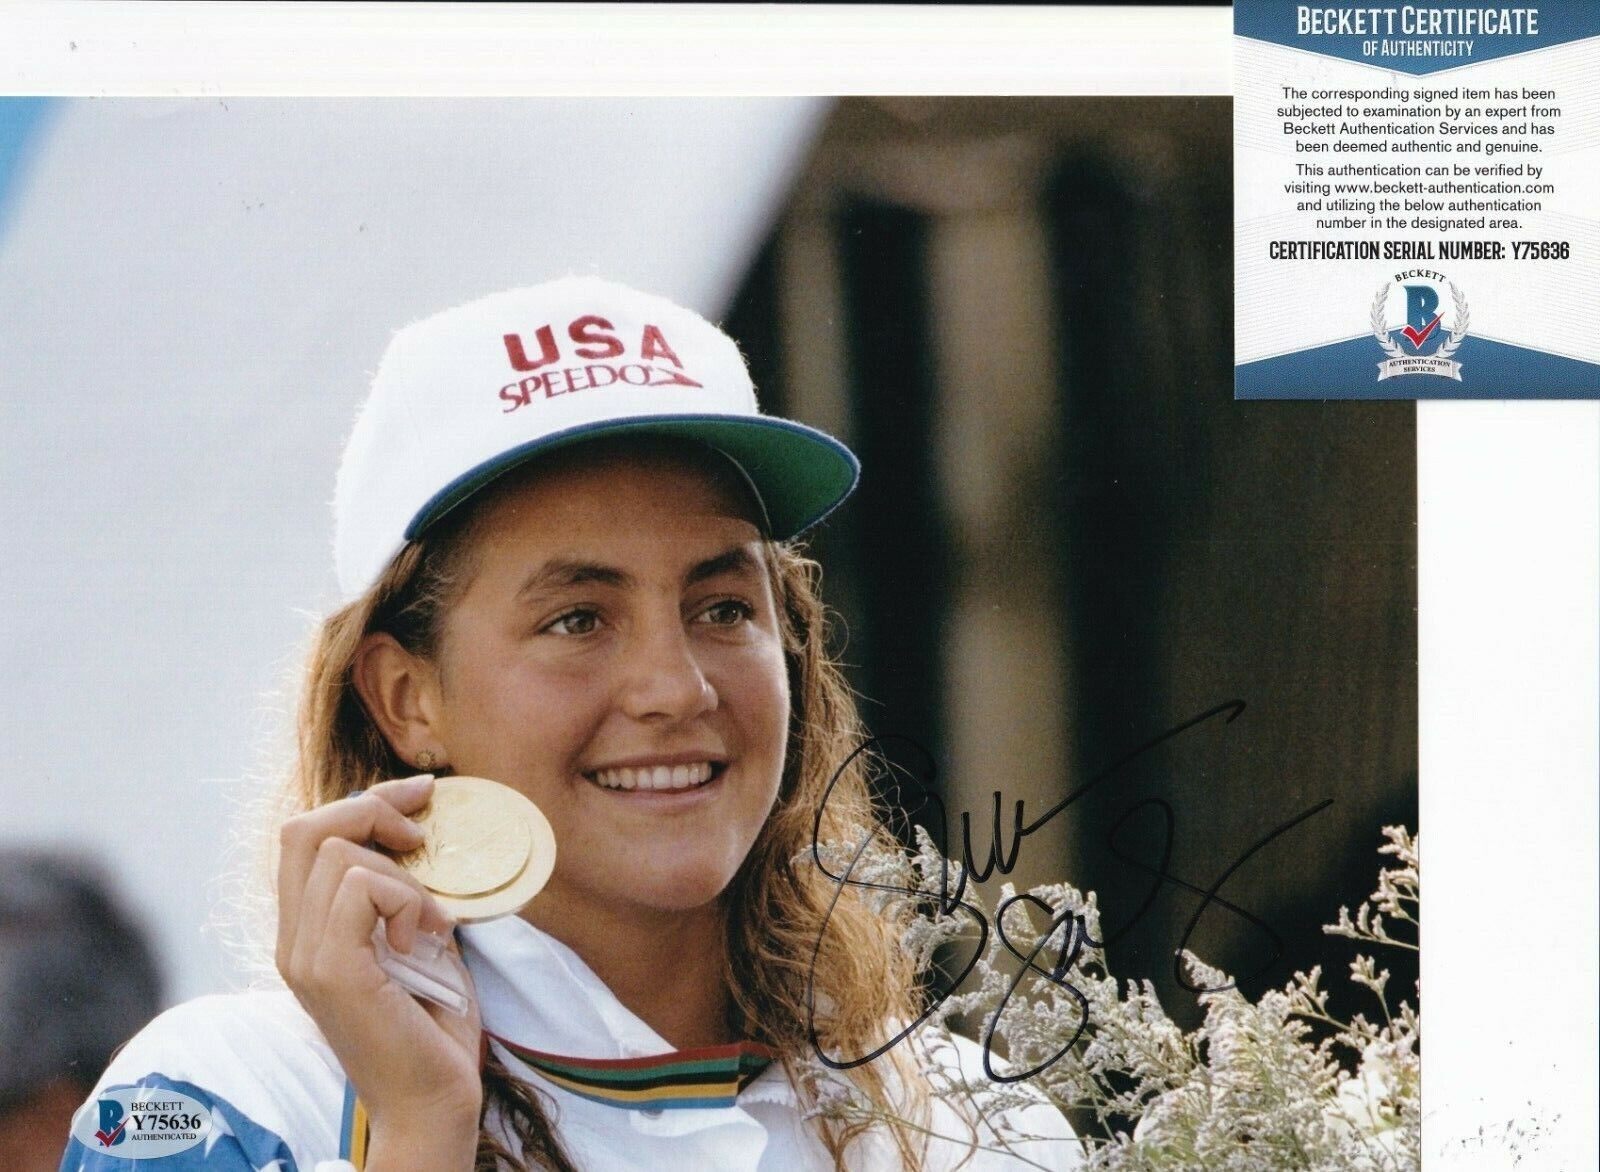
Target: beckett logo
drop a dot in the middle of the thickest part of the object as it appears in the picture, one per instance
(595, 338)
(1425, 344)
(141, 1123)
(113, 1123)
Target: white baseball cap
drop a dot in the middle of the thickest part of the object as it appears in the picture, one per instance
(466, 395)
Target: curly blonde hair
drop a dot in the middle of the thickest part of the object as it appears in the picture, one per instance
(794, 940)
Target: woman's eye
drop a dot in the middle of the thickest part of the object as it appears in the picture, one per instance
(575, 622)
(729, 612)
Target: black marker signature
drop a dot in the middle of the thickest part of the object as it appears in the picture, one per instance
(1002, 855)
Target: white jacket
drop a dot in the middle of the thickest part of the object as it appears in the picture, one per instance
(278, 1098)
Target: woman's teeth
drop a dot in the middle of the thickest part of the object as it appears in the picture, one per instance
(655, 777)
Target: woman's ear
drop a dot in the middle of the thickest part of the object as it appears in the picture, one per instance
(401, 694)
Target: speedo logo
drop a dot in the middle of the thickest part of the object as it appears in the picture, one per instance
(592, 338)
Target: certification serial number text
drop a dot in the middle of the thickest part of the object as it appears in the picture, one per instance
(1540, 250)
(1417, 250)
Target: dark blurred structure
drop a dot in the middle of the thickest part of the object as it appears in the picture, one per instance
(1070, 539)
(77, 979)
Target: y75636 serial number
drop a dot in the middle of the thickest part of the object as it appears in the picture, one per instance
(1539, 250)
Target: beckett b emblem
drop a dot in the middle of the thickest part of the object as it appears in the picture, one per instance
(1428, 344)
(1421, 320)
(113, 1123)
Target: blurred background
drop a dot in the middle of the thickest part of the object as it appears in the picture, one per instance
(1069, 539)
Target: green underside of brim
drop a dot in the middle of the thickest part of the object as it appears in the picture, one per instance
(802, 474)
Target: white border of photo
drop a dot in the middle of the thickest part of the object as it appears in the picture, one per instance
(1509, 493)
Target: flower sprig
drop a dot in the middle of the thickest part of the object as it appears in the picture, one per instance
(1398, 896)
(1252, 1089)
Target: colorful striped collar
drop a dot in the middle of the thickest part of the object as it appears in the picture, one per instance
(711, 1076)
(536, 990)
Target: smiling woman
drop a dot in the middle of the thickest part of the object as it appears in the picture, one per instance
(629, 678)
(581, 584)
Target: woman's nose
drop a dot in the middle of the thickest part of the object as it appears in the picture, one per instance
(664, 680)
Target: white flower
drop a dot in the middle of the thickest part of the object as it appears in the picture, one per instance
(1248, 1091)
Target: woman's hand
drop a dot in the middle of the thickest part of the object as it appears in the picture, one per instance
(414, 1065)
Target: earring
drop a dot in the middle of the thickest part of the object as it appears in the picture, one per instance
(426, 760)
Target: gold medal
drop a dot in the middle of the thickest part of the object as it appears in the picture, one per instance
(486, 851)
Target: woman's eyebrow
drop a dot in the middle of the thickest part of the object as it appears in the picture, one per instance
(559, 573)
(737, 560)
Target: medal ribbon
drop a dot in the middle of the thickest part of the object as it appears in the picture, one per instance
(711, 1076)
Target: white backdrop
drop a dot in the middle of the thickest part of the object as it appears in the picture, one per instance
(194, 292)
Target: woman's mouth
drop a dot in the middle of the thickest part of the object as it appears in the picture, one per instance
(656, 778)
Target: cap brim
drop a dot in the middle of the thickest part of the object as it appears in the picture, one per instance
(801, 474)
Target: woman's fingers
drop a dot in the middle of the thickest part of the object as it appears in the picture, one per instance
(334, 887)
(407, 1060)
(363, 896)
(334, 859)
(376, 815)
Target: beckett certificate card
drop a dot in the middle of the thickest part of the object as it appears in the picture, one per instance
(1417, 200)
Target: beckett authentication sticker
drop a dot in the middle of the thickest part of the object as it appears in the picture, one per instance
(1416, 200)
(141, 1123)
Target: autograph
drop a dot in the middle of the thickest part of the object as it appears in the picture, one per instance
(1002, 854)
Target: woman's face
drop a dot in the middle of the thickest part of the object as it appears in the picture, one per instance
(615, 656)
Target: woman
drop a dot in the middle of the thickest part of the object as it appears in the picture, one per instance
(560, 527)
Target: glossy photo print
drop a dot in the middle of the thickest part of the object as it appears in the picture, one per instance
(1077, 775)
